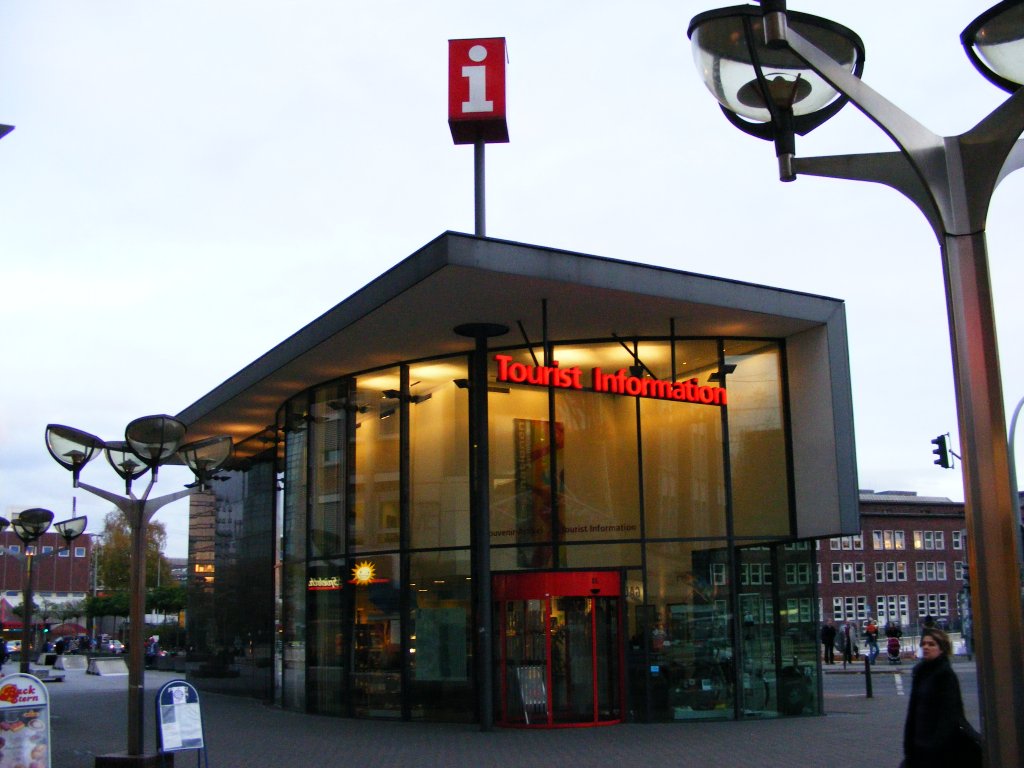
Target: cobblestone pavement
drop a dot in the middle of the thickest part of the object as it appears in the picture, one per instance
(88, 716)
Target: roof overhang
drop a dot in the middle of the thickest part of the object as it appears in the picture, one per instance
(410, 311)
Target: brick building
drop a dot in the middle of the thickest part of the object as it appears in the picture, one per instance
(60, 574)
(909, 561)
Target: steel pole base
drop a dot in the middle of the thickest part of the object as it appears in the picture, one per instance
(124, 760)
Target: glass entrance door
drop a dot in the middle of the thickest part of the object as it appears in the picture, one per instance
(559, 649)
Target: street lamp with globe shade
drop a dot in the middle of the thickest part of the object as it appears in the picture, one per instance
(29, 526)
(951, 180)
(150, 442)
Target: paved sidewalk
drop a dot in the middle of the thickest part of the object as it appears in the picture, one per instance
(88, 716)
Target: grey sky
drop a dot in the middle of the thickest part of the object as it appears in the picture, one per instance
(189, 183)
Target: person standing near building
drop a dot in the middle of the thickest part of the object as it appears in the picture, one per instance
(845, 643)
(828, 639)
(936, 733)
(871, 638)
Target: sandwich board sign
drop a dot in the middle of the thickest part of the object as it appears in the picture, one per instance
(179, 720)
(24, 722)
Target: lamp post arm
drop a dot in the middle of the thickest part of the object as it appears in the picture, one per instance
(902, 128)
(123, 503)
(991, 148)
(128, 505)
(958, 173)
(928, 152)
(152, 505)
(1014, 161)
(892, 169)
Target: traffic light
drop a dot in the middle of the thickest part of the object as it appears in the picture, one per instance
(941, 451)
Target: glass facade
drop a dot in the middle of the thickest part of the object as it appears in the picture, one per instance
(659, 468)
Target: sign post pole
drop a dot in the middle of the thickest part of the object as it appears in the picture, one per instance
(476, 106)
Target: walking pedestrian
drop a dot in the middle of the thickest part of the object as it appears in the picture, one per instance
(936, 733)
(845, 643)
(871, 638)
(828, 639)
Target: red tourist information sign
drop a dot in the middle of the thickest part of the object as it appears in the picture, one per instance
(622, 382)
(476, 90)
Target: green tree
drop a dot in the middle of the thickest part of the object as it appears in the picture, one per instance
(68, 611)
(48, 611)
(19, 610)
(113, 604)
(167, 598)
(113, 553)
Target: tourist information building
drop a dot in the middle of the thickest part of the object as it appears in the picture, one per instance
(527, 487)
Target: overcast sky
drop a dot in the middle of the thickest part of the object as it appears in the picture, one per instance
(191, 182)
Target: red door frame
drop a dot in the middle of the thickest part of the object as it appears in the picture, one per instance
(543, 585)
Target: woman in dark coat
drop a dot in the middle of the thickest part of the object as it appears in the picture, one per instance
(932, 735)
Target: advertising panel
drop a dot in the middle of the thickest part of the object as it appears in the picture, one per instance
(24, 722)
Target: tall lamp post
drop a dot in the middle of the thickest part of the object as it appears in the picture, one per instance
(150, 442)
(771, 71)
(29, 526)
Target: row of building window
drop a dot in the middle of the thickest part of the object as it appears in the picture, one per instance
(14, 549)
(898, 540)
(889, 607)
(755, 574)
(846, 573)
(851, 573)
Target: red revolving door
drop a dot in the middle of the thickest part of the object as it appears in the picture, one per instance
(559, 650)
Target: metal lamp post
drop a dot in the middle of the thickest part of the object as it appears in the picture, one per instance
(951, 180)
(149, 442)
(29, 526)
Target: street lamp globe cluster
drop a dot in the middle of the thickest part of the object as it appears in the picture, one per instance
(29, 526)
(149, 443)
(778, 73)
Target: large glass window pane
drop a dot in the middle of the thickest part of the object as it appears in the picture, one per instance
(684, 486)
(757, 440)
(619, 554)
(376, 514)
(757, 612)
(327, 652)
(686, 625)
(296, 425)
(439, 455)
(293, 578)
(598, 469)
(377, 639)
(328, 451)
(798, 628)
(293, 684)
(441, 651)
(520, 456)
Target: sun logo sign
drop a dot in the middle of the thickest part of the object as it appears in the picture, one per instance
(364, 573)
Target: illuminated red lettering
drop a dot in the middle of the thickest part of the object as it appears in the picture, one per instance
(618, 383)
(540, 375)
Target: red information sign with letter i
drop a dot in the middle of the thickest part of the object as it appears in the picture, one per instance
(476, 90)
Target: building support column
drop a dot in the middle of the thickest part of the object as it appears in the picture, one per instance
(480, 518)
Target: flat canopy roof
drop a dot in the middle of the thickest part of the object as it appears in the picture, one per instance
(410, 311)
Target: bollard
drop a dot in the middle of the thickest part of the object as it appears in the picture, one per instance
(867, 676)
